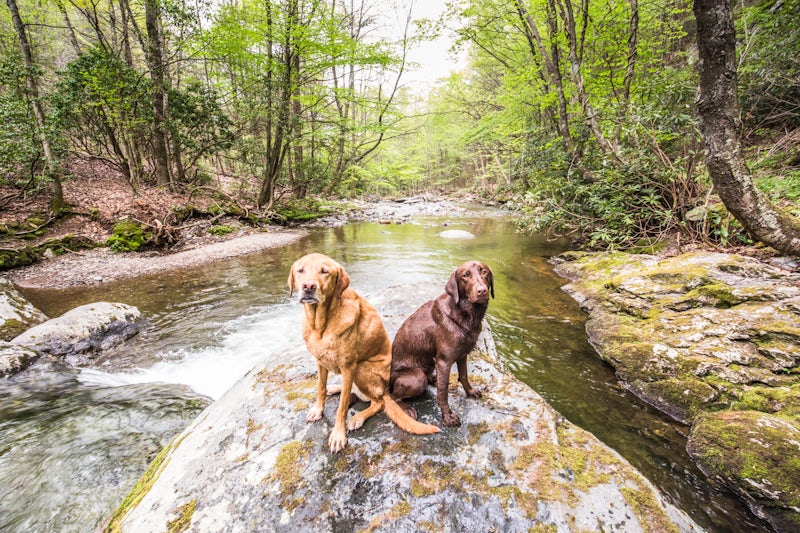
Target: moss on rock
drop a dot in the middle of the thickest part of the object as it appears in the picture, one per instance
(755, 454)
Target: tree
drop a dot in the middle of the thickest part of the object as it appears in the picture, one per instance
(154, 52)
(718, 110)
(52, 166)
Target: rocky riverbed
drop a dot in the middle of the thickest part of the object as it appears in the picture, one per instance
(713, 340)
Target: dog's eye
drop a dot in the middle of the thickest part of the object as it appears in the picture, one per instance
(324, 270)
(466, 274)
(300, 270)
(483, 271)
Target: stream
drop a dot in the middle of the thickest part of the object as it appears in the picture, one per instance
(74, 441)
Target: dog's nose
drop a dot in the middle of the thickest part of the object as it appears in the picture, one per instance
(309, 287)
(483, 291)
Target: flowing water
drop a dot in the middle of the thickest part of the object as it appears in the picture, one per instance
(73, 441)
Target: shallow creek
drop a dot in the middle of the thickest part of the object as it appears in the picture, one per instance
(73, 441)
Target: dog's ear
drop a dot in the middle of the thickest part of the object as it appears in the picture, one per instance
(291, 281)
(451, 287)
(342, 281)
(490, 279)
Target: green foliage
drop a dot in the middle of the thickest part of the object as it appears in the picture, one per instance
(770, 61)
(128, 236)
(100, 101)
(198, 122)
(20, 150)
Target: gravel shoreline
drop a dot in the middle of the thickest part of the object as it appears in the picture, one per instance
(100, 265)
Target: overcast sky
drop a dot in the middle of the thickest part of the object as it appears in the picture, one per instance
(434, 59)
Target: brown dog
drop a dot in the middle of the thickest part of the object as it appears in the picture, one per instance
(346, 335)
(442, 332)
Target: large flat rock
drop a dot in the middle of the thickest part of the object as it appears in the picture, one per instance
(83, 331)
(250, 462)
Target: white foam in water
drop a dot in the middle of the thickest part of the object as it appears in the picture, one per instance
(212, 370)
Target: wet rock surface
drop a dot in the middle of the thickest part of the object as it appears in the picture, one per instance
(713, 340)
(84, 331)
(250, 462)
(16, 313)
(15, 358)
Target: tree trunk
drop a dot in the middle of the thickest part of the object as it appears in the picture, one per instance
(53, 167)
(154, 56)
(630, 69)
(551, 69)
(718, 110)
(73, 39)
(575, 68)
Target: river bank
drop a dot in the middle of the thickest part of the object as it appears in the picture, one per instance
(713, 340)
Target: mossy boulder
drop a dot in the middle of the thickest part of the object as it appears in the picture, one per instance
(16, 313)
(756, 455)
(251, 462)
(696, 334)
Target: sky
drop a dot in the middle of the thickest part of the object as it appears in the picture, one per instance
(434, 58)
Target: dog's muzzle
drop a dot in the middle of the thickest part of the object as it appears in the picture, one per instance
(309, 297)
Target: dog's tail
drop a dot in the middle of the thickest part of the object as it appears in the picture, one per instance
(405, 422)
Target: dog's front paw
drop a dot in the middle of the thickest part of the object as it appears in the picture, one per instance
(314, 414)
(354, 423)
(450, 419)
(475, 393)
(337, 441)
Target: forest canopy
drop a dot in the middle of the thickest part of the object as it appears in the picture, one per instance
(579, 114)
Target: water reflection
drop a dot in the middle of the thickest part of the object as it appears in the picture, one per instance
(210, 324)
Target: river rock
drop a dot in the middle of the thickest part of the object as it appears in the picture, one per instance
(15, 358)
(250, 462)
(87, 329)
(706, 333)
(16, 313)
(455, 234)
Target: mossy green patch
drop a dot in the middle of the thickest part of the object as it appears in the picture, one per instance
(182, 522)
(128, 236)
(684, 398)
(652, 516)
(142, 487)
(222, 229)
(303, 210)
(559, 469)
(12, 259)
(11, 328)
(715, 294)
(783, 400)
(289, 473)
